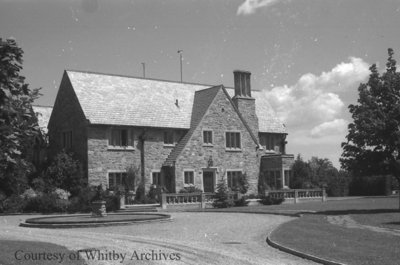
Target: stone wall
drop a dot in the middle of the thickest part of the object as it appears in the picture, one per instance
(67, 115)
(102, 159)
(220, 117)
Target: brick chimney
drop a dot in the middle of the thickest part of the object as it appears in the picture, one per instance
(243, 100)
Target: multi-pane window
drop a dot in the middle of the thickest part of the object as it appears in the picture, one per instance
(274, 179)
(121, 137)
(271, 141)
(67, 139)
(233, 178)
(189, 177)
(116, 179)
(207, 137)
(169, 137)
(156, 178)
(233, 140)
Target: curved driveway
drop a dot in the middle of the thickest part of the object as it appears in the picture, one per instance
(197, 238)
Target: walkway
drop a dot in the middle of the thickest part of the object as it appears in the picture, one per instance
(197, 238)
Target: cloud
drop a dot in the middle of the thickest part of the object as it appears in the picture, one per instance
(250, 6)
(314, 108)
(337, 126)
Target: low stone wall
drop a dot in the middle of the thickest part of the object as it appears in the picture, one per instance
(189, 200)
(298, 195)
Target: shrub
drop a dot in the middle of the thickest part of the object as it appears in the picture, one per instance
(140, 193)
(241, 202)
(190, 189)
(268, 200)
(221, 197)
(112, 202)
(13, 204)
(46, 203)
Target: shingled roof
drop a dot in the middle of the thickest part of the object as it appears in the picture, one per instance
(123, 100)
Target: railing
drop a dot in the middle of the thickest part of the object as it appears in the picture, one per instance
(297, 195)
(202, 200)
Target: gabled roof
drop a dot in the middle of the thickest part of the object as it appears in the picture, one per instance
(43, 114)
(202, 101)
(132, 101)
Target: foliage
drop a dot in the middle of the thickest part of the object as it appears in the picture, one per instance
(140, 193)
(18, 123)
(373, 139)
(241, 202)
(99, 193)
(132, 176)
(190, 189)
(301, 174)
(368, 186)
(243, 184)
(65, 172)
(268, 200)
(221, 197)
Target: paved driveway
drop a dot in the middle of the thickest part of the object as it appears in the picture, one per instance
(191, 238)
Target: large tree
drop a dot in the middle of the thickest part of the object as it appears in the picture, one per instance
(18, 123)
(373, 140)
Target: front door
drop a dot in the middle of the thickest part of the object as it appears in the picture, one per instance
(208, 181)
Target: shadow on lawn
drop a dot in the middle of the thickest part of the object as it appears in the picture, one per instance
(357, 211)
(32, 252)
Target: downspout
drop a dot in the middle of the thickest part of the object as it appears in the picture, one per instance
(142, 138)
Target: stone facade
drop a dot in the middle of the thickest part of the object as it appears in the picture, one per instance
(67, 116)
(220, 118)
(216, 112)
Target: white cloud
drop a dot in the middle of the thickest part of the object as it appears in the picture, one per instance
(250, 6)
(314, 108)
(337, 126)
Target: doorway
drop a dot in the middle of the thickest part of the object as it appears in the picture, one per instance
(208, 181)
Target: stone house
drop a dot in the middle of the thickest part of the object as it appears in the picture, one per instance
(179, 134)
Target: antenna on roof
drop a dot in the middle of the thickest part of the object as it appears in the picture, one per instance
(180, 59)
(144, 70)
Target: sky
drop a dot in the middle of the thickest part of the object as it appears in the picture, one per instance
(308, 56)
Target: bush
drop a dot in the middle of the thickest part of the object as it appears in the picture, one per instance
(190, 189)
(112, 202)
(13, 204)
(46, 203)
(221, 197)
(268, 200)
(241, 202)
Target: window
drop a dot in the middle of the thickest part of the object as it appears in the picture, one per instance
(233, 140)
(156, 178)
(121, 137)
(233, 178)
(67, 139)
(288, 174)
(189, 177)
(116, 179)
(168, 137)
(271, 141)
(207, 137)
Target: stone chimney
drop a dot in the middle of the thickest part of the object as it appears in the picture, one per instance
(243, 100)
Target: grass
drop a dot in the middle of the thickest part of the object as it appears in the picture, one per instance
(313, 234)
(8, 255)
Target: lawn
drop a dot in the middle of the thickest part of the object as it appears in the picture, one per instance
(313, 234)
(13, 252)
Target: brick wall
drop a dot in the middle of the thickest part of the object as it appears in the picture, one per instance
(220, 117)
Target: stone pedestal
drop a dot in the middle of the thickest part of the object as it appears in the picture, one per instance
(99, 209)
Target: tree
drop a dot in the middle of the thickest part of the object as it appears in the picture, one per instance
(221, 197)
(301, 174)
(65, 172)
(373, 139)
(18, 123)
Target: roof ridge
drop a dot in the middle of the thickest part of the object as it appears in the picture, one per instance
(138, 77)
